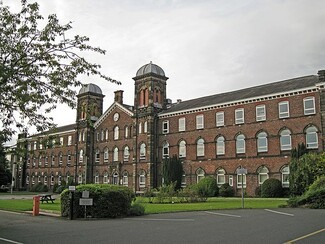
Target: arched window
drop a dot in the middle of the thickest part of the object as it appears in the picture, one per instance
(115, 178)
(126, 153)
(69, 158)
(220, 145)
(126, 132)
(97, 156)
(200, 147)
(115, 156)
(125, 180)
(106, 134)
(221, 177)
(105, 178)
(97, 178)
(145, 127)
(80, 178)
(311, 137)
(105, 154)
(60, 159)
(262, 145)
(240, 144)
(263, 174)
(165, 150)
(285, 140)
(81, 156)
(285, 172)
(183, 180)
(52, 160)
(182, 149)
(40, 161)
(59, 179)
(45, 179)
(67, 177)
(52, 179)
(142, 151)
(142, 179)
(140, 128)
(200, 174)
(241, 180)
(116, 133)
(102, 135)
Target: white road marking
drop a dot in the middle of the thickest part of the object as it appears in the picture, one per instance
(173, 220)
(305, 236)
(10, 241)
(277, 212)
(228, 215)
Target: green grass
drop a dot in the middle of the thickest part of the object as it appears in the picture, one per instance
(27, 205)
(212, 204)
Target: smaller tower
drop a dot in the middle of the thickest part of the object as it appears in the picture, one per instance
(89, 109)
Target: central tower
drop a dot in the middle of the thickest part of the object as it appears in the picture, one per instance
(149, 100)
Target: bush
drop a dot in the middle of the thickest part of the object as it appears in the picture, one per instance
(271, 188)
(136, 210)
(190, 194)
(39, 187)
(109, 201)
(55, 187)
(258, 191)
(226, 190)
(207, 187)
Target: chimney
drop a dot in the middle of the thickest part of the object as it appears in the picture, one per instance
(321, 75)
(119, 96)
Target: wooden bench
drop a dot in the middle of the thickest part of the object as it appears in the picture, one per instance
(47, 198)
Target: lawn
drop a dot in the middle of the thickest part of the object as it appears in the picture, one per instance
(212, 204)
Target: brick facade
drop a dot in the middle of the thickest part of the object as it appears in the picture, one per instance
(126, 144)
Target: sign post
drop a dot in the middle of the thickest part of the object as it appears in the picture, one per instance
(72, 189)
(242, 171)
(85, 201)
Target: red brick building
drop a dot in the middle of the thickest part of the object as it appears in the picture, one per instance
(254, 128)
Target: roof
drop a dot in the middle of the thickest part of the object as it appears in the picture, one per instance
(252, 92)
(57, 130)
(150, 68)
(90, 88)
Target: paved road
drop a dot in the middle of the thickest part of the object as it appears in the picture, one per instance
(227, 226)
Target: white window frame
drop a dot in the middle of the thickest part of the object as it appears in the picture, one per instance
(142, 179)
(165, 150)
(220, 119)
(239, 177)
(97, 156)
(260, 113)
(116, 133)
(285, 172)
(165, 127)
(97, 178)
(284, 109)
(181, 124)
(69, 140)
(200, 174)
(308, 110)
(200, 152)
(106, 154)
(61, 141)
(115, 154)
(145, 127)
(126, 131)
(143, 151)
(126, 153)
(284, 135)
(125, 179)
(240, 144)
(199, 121)
(262, 143)
(105, 178)
(182, 149)
(263, 175)
(239, 116)
(311, 138)
(221, 177)
(220, 145)
(230, 180)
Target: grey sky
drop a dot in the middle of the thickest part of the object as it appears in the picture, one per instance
(205, 47)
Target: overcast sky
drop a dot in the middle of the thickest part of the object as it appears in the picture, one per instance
(205, 46)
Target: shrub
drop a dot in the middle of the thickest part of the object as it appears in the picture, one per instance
(39, 187)
(190, 194)
(226, 190)
(55, 187)
(207, 187)
(258, 191)
(166, 193)
(109, 201)
(136, 210)
(271, 188)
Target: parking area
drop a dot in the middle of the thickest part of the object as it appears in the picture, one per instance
(226, 226)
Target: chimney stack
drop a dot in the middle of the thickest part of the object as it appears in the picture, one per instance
(321, 75)
(119, 96)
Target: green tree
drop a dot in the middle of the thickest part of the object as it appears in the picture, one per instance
(304, 171)
(5, 175)
(39, 67)
(173, 171)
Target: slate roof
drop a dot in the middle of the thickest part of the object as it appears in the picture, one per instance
(256, 91)
(59, 129)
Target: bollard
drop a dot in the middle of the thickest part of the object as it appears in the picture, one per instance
(36, 202)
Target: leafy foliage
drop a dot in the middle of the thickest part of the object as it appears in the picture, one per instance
(39, 187)
(304, 171)
(173, 171)
(271, 188)
(207, 187)
(5, 175)
(109, 201)
(226, 190)
(39, 66)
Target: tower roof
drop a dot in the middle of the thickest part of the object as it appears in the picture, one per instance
(150, 68)
(90, 88)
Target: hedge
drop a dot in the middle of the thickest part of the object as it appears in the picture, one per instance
(109, 201)
(272, 188)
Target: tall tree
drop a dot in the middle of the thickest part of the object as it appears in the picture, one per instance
(39, 67)
(5, 175)
(173, 171)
